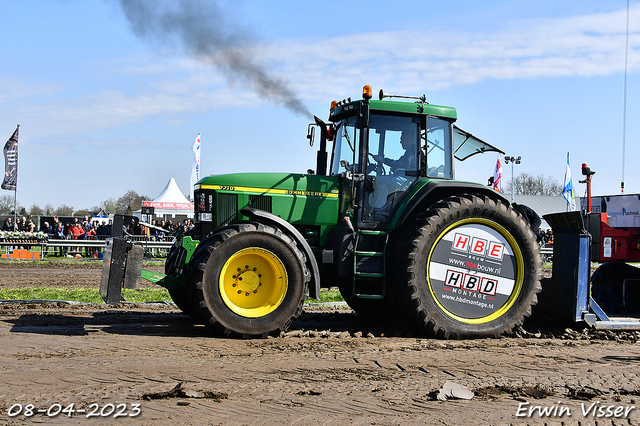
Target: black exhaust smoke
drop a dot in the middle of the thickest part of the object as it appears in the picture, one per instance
(202, 28)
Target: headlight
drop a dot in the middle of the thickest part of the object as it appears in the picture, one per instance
(206, 217)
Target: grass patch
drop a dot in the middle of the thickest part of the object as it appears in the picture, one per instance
(327, 295)
(87, 295)
(92, 295)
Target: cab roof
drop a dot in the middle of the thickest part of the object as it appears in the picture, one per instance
(465, 144)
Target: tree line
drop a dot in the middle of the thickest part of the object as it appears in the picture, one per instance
(126, 204)
(524, 184)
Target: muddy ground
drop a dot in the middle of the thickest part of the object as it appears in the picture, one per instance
(330, 368)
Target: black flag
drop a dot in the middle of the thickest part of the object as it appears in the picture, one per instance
(11, 162)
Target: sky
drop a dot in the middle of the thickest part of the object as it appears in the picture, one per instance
(111, 94)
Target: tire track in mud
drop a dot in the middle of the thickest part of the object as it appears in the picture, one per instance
(96, 355)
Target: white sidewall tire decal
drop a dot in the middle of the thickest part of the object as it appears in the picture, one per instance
(475, 288)
(425, 245)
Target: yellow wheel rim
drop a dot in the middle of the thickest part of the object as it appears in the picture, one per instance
(253, 282)
(519, 269)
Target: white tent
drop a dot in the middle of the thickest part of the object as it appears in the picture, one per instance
(171, 202)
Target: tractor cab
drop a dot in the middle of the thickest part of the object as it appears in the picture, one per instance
(383, 148)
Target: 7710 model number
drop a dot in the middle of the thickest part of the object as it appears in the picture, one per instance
(94, 410)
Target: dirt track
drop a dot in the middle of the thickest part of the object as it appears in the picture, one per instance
(330, 368)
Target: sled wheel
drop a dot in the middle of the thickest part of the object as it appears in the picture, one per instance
(251, 280)
(472, 268)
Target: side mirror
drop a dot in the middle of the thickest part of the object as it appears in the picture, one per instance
(311, 134)
(345, 165)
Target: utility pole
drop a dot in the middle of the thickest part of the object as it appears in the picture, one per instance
(512, 160)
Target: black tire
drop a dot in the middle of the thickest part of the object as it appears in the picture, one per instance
(260, 299)
(179, 295)
(484, 291)
(371, 309)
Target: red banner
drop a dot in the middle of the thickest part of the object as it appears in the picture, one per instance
(177, 206)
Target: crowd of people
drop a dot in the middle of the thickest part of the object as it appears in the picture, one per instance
(160, 229)
(97, 229)
(22, 225)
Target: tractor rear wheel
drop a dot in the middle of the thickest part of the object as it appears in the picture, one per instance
(249, 280)
(472, 268)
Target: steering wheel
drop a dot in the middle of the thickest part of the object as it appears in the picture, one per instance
(379, 166)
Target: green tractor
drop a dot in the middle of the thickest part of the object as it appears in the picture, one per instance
(381, 218)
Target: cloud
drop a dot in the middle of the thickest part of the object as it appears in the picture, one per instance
(170, 83)
(583, 46)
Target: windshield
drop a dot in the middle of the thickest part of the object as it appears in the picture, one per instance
(345, 146)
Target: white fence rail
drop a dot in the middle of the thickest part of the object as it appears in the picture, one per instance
(82, 247)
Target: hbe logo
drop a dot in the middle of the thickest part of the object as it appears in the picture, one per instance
(478, 246)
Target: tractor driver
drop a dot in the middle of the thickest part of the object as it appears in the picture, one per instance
(407, 161)
(386, 185)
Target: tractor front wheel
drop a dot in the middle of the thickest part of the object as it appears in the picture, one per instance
(251, 280)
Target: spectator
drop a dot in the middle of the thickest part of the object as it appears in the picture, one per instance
(86, 225)
(76, 232)
(158, 234)
(101, 231)
(58, 234)
(7, 226)
(47, 229)
(29, 226)
(22, 224)
(133, 228)
(91, 235)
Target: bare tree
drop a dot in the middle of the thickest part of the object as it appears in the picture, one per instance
(35, 210)
(48, 209)
(109, 206)
(527, 184)
(130, 202)
(6, 204)
(63, 210)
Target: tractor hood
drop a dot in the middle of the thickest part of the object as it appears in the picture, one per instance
(466, 145)
(273, 183)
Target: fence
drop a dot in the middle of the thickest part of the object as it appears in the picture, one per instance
(89, 248)
(151, 248)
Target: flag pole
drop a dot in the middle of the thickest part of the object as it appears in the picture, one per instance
(15, 190)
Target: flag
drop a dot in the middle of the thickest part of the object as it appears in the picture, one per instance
(497, 176)
(567, 192)
(195, 170)
(11, 162)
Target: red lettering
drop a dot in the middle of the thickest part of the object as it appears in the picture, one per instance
(461, 242)
(479, 246)
(495, 250)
